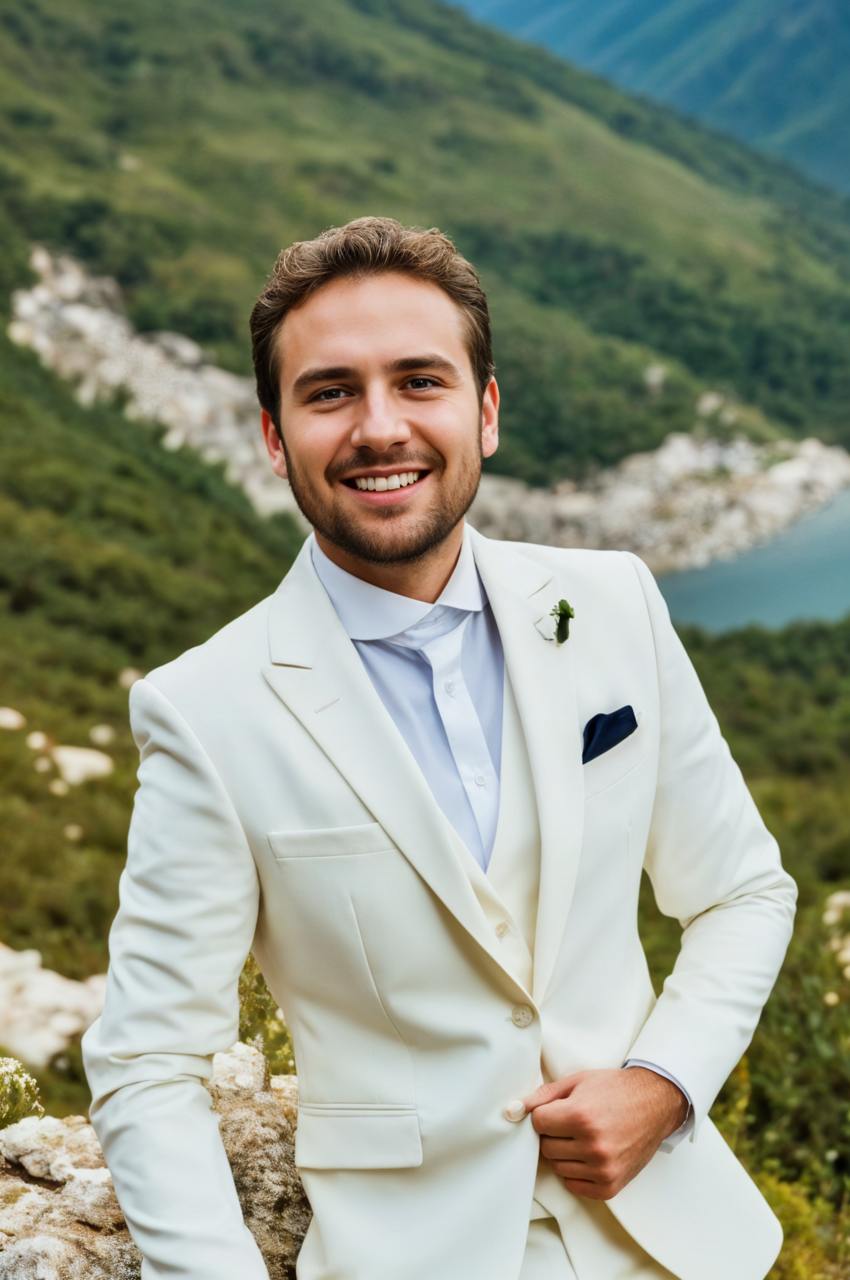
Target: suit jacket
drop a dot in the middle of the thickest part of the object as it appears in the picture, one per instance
(279, 810)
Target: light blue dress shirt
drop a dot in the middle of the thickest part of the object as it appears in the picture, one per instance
(439, 671)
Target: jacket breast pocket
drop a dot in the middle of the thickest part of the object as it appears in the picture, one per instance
(329, 842)
(606, 770)
(336, 1135)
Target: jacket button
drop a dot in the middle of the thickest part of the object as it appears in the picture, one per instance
(502, 928)
(522, 1015)
(515, 1110)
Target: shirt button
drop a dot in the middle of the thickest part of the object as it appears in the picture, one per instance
(522, 1015)
(515, 1110)
(480, 780)
(502, 928)
(449, 687)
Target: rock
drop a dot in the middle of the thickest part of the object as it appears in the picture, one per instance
(68, 1225)
(78, 764)
(41, 1012)
(682, 505)
(102, 734)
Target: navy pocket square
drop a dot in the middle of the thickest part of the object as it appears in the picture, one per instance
(605, 730)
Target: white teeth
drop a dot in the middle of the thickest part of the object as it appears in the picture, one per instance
(397, 481)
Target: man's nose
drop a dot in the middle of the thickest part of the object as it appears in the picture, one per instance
(380, 424)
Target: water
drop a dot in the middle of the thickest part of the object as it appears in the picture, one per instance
(802, 573)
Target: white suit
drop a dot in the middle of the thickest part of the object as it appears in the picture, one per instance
(280, 811)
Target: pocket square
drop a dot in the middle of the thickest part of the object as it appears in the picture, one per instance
(605, 730)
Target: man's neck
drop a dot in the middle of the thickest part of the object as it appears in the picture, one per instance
(421, 579)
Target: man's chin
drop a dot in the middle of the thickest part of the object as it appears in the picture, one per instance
(386, 541)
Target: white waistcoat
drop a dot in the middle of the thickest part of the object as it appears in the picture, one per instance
(508, 891)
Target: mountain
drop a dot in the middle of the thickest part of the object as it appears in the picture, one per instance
(178, 148)
(772, 72)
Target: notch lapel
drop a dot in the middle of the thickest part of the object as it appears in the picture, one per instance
(317, 673)
(521, 592)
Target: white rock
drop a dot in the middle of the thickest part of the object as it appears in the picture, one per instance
(41, 1011)
(79, 764)
(102, 734)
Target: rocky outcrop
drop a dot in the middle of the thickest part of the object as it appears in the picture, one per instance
(689, 502)
(59, 1215)
(695, 499)
(42, 1011)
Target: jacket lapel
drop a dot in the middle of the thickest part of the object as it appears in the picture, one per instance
(317, 673)
(521, 592)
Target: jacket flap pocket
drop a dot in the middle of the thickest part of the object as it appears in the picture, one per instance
(319, 842)
(339, 1137)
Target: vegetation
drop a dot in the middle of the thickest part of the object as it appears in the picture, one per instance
(610, 233)
(770, 73)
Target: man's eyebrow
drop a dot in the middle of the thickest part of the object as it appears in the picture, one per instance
(429, 361)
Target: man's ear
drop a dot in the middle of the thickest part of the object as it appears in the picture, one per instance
(273, 444)
(490, 418)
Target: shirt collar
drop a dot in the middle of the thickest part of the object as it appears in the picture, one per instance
(370, 613)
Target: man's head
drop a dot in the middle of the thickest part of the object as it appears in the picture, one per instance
(372, 356)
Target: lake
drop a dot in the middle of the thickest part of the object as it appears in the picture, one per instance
(803, 572)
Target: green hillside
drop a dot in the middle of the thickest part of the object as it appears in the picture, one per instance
(179, 147)
(771, 73)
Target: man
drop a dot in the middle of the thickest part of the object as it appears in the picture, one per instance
(420, 781)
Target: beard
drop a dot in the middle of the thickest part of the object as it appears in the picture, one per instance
(415, 535)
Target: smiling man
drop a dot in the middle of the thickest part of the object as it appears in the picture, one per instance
(426, 812)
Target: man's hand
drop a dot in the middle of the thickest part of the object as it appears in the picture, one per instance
(599, 1128)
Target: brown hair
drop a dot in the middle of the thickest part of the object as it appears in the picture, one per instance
(365, 246)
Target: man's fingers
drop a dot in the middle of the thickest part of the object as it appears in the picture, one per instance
(565, 1149)
(576, 1170)
(561, 1118)
(551, 1090)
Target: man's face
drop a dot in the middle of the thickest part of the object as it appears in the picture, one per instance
(350, 408)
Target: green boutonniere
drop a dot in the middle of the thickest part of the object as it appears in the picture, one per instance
(562, 612)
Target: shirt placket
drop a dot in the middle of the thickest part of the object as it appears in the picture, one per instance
(463, 730)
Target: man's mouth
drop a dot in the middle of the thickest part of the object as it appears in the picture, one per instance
(382, 482)
(387, 488)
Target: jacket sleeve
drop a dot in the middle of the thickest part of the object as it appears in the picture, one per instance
(188, 901)
(716, 868)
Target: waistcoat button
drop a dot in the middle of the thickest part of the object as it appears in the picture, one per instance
(522, 1015)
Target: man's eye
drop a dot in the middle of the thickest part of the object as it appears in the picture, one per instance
(326, 391)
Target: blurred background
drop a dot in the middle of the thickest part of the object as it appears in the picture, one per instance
(656, 194)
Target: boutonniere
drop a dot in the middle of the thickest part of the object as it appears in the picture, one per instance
(562, 612)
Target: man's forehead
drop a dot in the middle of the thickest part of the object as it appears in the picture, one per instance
(371, 328)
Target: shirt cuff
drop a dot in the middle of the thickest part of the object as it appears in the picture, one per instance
(674, 1138)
